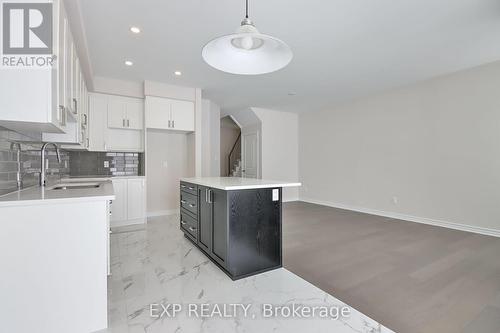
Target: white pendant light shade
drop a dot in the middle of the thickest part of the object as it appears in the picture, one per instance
(247, 52)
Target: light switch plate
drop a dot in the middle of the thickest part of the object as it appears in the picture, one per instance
(106, 164)
(276, 194)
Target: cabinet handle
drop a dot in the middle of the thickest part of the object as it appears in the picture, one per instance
(192, 229)
(209, 196)
(169, 122)
(123, 122)
(62, 120)
(191, 188)
(75, 104)
(173, 123)
(183, 186)
(192, 205)
(183, 202)
(128, 122)
(183, 223)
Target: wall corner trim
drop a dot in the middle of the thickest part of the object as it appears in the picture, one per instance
(409, 218)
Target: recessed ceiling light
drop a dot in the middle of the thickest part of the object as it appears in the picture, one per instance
(128, 63)
(178, 73)
(135, 30)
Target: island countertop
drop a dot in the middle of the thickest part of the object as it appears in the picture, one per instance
(238, 183)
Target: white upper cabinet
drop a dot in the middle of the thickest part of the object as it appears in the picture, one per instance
(117, 113)
(169, 114)
(135, 114)
(47, 101)
(182, 115)
(98, 110)
(125, 113)
(29, 98)
(116, 123)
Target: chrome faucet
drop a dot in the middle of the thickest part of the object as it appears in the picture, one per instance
(42, 165)
(19, 180)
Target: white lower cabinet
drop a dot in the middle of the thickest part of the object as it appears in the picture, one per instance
(129, 206)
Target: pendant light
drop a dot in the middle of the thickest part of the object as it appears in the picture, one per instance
(247, 52)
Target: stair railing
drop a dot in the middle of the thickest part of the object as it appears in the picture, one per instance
(230, 156)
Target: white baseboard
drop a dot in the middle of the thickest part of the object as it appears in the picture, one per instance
(410, 218)
(162, 212)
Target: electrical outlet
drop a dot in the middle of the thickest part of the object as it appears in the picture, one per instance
(395, 200)
(164, 164)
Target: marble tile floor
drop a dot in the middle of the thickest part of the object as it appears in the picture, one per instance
(155, 264)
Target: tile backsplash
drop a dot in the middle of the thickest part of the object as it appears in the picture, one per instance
(83, 163)
(29, 161)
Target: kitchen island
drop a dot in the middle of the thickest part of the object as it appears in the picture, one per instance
(235, 221)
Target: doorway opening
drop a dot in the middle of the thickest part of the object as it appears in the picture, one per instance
(230, 148)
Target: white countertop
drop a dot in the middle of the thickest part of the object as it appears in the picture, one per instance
(237, 183)
(46, 195)
(96, 178)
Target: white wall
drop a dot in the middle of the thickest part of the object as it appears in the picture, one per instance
(107, 85)
(433, 146)
(169, 157)
(279, 146)
(210, 142)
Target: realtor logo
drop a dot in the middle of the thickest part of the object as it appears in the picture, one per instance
(27, 28)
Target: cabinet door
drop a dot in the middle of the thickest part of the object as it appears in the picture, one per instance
(119, 205)
(219, 225)
(135, 114)
(117, 110)
(61, 57)
(76, 82)
(135, 199)
(205, 220)
(182, 115)
(157, 112)
(98, 109)
(69, 67)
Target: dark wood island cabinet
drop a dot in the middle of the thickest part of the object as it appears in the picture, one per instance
(236, 222)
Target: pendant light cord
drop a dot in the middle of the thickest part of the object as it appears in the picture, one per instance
(246, 9)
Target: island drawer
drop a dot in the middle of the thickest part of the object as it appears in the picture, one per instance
(189, 224)
(189, 202)
(189, 188)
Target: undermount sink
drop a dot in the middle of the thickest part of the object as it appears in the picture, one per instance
(76, 186)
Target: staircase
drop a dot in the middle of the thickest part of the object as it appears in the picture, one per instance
(236, 170)
(234, 159)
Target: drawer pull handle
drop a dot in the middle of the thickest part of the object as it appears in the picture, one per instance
(191, 188)
(183, 186)
(192, 229)
(192, 205)
(183, 202)
(183, 223)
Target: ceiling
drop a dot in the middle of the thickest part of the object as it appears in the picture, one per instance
(343, 49)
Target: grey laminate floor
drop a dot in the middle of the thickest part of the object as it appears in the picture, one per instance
(408, 276)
